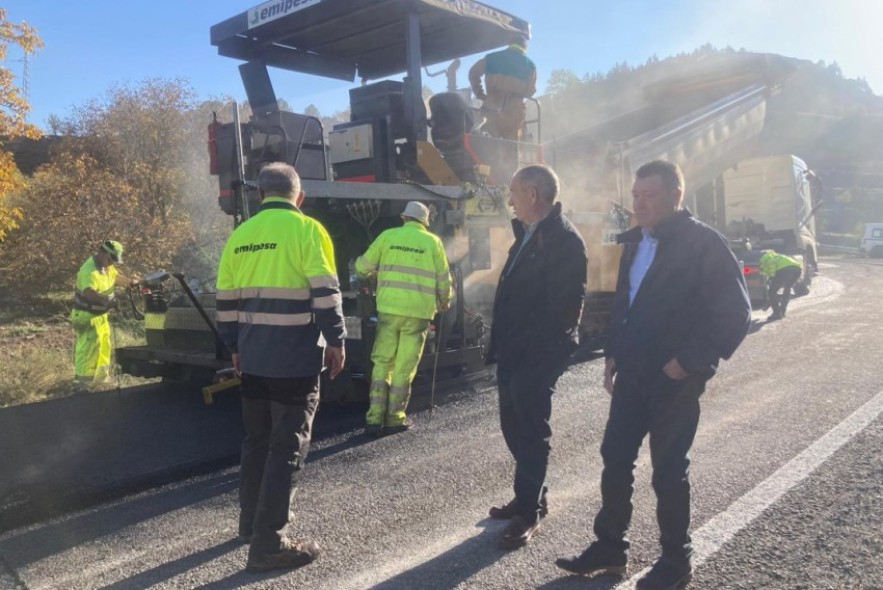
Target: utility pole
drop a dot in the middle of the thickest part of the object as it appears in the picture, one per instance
(26, 78)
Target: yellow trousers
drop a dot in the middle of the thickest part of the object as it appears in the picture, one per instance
(398, 348)
(93, 347)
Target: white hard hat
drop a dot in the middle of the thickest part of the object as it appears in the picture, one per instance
(417, 211)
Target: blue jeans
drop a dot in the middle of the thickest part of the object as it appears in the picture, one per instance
(668, 411)
(278, 417)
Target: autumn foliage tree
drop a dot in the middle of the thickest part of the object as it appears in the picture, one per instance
(58, 195)
(119, 173)
(140, 132)
(13, 111)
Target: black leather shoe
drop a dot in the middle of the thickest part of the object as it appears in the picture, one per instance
(665, 575)
(292, 556)
(595, 562)
(509, 510)
(518, 533)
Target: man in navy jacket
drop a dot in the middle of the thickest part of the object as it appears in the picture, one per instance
(680, 307)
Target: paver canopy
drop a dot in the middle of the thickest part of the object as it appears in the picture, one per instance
(369, 38)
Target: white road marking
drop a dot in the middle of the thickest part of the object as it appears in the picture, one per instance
(708, 539)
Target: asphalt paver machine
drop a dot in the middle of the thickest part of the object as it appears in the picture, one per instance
(359, 175)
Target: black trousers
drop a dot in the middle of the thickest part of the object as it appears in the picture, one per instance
(525, 393)
(668, 411)
(782, 281)
(278, 417)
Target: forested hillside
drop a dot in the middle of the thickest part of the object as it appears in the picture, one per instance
(834, 123)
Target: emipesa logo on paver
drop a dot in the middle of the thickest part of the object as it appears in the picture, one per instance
(269, 11)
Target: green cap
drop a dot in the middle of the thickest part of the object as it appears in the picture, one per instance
(113, 249)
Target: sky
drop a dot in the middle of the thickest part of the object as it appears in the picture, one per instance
(93, 45)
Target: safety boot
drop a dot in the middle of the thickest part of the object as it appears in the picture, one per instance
(397, 428)
(373, 429)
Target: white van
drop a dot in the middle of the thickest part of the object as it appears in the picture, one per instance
(872, 240)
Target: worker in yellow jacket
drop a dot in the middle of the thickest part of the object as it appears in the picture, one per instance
(783, 272)
(413, 284)
(279, 313)
(93, 299)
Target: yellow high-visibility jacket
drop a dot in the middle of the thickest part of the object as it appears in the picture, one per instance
(772, 262)
(413, 278)
(278, 290)
(102, 281)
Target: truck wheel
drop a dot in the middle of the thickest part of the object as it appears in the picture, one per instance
(808, 268)
(802, 288)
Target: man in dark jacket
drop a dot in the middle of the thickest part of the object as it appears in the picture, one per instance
(536, 318)
(680, 307)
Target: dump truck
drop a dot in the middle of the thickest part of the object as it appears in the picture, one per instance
(359, 175)
(771, 202)
(706, 120)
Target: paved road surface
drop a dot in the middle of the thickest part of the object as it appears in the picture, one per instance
(787, 472)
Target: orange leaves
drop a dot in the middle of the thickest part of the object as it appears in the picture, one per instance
(69, 207)
(13, 110)
(13, 106)
(10, 180)
(23, 35)
(121, 173)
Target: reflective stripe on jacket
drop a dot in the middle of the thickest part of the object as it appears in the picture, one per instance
(278, 291)
(773, 262)
(413, 278)
(100, 280)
